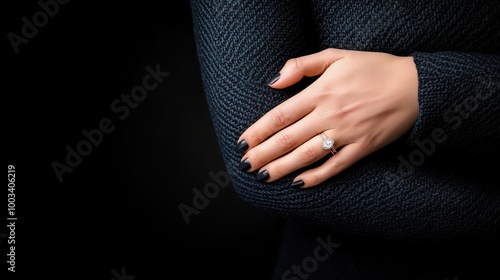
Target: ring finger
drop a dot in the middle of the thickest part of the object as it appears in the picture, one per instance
(306, 154)
(281, 143)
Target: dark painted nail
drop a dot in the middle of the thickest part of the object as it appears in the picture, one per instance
(242, 146)
(245, 165)
(274, 79)
(263, 176)
(297, 184)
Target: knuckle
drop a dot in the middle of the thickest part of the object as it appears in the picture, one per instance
(337, 113)
(307, 154)
(285, 140)
(278, 118)
(295, 63)
(254, 135)
(336, 166)
(331, 52)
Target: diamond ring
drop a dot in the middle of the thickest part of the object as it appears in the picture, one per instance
(328, 144)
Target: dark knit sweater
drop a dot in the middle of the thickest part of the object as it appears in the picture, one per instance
(437, 183)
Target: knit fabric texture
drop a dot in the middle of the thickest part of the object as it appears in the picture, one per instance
(437, 183)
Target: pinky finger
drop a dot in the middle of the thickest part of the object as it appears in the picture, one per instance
(346, 157)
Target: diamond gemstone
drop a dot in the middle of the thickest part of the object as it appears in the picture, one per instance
(327, 144)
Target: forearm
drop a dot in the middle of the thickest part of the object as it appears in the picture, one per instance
(459, 102)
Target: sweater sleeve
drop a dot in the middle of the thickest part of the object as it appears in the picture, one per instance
(459, 98)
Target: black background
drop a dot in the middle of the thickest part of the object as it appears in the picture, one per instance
(118, 208)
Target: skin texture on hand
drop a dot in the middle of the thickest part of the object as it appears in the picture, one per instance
(362, 100)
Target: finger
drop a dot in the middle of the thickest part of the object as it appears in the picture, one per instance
(346, 157)
(305, 66)
(283, 141)
(304, 155)
(281, 116)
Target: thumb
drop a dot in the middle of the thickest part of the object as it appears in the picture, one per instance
(305, 66)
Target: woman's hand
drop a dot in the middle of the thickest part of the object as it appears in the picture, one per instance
(362, 100)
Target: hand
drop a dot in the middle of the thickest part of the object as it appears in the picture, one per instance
(362, 100)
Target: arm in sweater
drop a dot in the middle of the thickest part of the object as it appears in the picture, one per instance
(459, 99)
(241, 45)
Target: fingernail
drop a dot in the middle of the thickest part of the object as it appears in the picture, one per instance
(274, 79)
(242, 146)
(245, 165)
(297, 184)
(263, 176)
